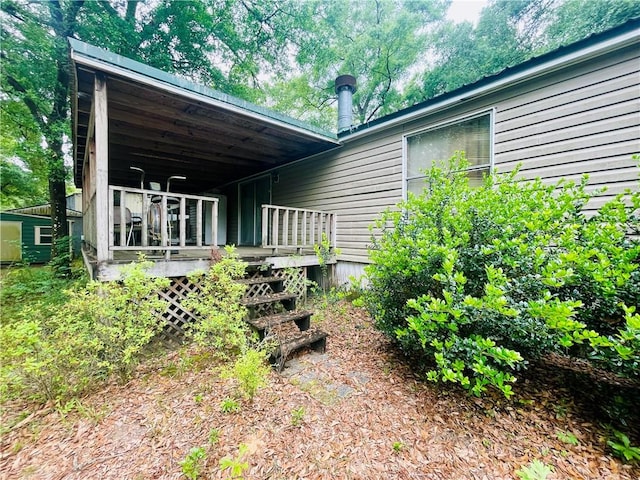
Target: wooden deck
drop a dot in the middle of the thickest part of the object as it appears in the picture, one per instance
(185, 262)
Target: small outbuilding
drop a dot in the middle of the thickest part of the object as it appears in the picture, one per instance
(26, 234)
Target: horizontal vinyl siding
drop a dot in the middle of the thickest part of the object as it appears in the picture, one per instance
(581, 119)
(585, 122)
(357, 182)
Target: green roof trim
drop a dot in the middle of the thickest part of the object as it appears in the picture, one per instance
(81, 50)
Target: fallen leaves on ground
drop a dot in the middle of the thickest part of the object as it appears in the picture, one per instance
(361, 414)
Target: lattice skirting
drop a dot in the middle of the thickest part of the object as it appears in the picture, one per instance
(176, 316)
(295, 280)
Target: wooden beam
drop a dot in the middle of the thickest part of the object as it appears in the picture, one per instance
(101, 134)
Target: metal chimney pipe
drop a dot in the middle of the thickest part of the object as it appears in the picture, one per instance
(345, 88)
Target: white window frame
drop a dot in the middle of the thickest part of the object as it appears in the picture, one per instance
(38, 234)
(444, 124)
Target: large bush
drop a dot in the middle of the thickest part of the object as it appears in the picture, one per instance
(479, 281)
(99, 331)
(218, 322)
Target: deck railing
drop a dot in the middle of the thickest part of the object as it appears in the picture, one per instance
(150, 220)
(297, 228)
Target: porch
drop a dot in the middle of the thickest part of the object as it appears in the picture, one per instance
(157, 156)
(179, 233)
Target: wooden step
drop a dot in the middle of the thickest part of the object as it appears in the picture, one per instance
(315, 339)
(302, 319)
(270, 298)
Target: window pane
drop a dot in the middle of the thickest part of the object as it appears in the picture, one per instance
(476, 177)
(438, 145)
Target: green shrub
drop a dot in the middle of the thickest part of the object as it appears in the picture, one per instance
(100, 330)
(250, 370)
(218, 316)
(479, 281)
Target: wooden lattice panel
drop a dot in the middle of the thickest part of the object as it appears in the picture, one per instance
(176, 316)
(258, 290)
(295, 280)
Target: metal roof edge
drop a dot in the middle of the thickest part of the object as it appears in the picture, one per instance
(95, 57)
(595, 45)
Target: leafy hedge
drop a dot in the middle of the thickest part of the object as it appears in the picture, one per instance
(98, 331)
(480, 281)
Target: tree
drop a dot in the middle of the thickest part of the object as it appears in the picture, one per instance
(378, 42)
(222, 44)
(508, 33)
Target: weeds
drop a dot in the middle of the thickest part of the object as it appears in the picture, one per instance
(229, 405)
(192, 464)
(236, 465)
(297, 416)
(536, 470)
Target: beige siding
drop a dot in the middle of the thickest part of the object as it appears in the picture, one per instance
(583, 119)
(357, 183)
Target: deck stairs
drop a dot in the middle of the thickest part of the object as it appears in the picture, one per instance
(273, 313)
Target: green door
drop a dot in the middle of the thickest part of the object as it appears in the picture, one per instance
(253, 194)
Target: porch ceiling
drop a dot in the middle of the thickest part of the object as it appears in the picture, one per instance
(166, 130)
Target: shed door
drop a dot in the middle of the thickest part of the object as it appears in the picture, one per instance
(253, 195)
(10, 241)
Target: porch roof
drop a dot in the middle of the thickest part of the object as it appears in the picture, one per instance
(168, 125)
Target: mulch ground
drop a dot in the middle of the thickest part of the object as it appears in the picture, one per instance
(356, 412)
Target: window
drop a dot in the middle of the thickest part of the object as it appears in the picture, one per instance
(44, 235)
(472, 135)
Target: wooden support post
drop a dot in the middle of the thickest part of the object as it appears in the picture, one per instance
(199, 223)
(183, 223)
(101, 134)
(144, 229)
(214, 222)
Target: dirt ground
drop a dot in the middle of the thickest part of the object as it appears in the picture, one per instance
(355, 412)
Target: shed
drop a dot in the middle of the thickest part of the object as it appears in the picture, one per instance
(25, 234)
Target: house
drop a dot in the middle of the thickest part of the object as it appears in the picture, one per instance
(25, 233)
(173, 169)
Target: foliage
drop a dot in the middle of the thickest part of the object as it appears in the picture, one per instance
(377, 42)
(509, 32)
(324, 252)
(479, 281)
(100, 330)
(622, 447)
(297, 416)
(219, 318)
(567, 437)
(236, 466)
(192, 463)
(536, 470)
(18, 186)
(250, 371)
(214, 436)
(229, 405)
